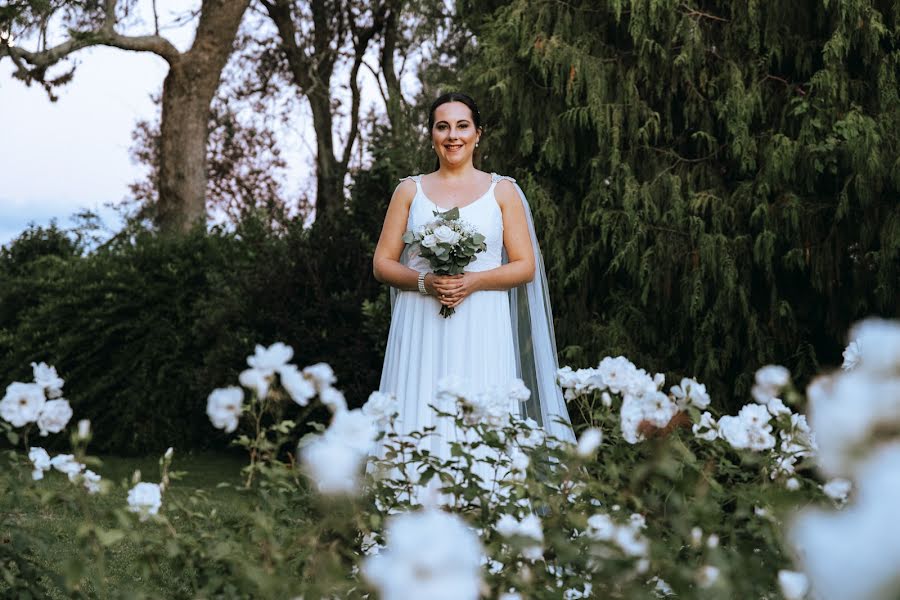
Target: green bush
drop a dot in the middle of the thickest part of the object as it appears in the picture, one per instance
(146, 326)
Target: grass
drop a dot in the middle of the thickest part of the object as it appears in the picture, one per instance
(51, 526)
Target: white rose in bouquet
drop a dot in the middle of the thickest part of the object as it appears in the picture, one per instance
(445, 235)
(448, 244)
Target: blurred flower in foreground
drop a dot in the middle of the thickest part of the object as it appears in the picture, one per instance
(855, 414)
(429, 554)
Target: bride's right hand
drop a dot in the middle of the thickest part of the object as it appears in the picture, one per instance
(438, 285)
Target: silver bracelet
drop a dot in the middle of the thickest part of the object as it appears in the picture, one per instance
(422, 289)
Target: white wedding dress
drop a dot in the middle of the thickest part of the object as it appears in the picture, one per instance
(474, 344)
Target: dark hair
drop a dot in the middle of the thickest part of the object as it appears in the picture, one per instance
(454, 97)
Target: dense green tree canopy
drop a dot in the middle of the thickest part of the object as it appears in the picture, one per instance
(716, 185)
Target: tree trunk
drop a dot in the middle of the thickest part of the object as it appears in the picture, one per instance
(329, 171)
(187, 94)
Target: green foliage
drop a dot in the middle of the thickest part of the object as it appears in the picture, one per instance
(146, 327)
(715, 187)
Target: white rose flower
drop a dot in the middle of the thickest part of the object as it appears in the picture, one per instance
(489, 407)
(40, 460)
(519, 462)
(707, 576)
(589, 442)
(429, 554)
(322, 375)
(658, 409)
(661, 588)
(846, 411)
(518, 390)
(145, 499)
(794, 585)
(66, 463)
(734, 431)
(532, 435)
(690, 391)
(224, 407)
(54, 416)
(529, 527)
(332, 465)
(445, 235)
(450, 389)
(22, 403)
(600, 527)
(429, 240)
(855, 552)
(776, 407)
(762, 395)
(333, 399)
(878, 342)
(631, 541)
(621, 376)
(270, 359)
(46, 377)
(838, 489)
(631, 414)
(755, 415)
(91, 481)
(256, 380)
(300, 389)
(381, 407)
(851, 355)
(354, 429)
(772, 378)
(706, 429)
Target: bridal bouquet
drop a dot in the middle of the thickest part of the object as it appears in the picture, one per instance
(448, 244)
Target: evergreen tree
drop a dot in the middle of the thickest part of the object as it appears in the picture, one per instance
(715, 183)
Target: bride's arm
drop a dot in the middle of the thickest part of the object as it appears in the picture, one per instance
(386, 262)
(516, 239)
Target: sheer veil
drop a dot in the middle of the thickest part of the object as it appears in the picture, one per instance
(535, 342)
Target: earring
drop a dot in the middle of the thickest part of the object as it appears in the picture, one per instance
(476, 144)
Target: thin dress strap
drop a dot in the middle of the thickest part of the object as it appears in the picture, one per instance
(417, 179)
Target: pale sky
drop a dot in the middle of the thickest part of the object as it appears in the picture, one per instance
(59, 158)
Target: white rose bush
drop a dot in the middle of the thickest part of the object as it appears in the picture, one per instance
(790, 496)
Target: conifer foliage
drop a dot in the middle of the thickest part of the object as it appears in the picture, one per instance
(716, 183)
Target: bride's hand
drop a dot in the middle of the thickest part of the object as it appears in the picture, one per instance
(441, 286)
(460, 287)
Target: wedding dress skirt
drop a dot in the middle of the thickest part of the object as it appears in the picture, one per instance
(474, 344)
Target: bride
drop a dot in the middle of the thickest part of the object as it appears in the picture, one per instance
(502, 328)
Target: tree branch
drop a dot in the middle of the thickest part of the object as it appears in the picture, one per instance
(361, 39)
(106, 35)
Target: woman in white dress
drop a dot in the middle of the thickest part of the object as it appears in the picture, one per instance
(501, 328)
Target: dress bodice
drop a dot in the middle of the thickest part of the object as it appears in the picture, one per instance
(483, 213)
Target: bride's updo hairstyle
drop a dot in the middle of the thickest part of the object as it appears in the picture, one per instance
(453, 97)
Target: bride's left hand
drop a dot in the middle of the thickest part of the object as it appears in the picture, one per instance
(460, 288)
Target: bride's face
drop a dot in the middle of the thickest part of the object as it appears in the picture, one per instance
(454, 134)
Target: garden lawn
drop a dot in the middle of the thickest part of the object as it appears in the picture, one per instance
(54, 526)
